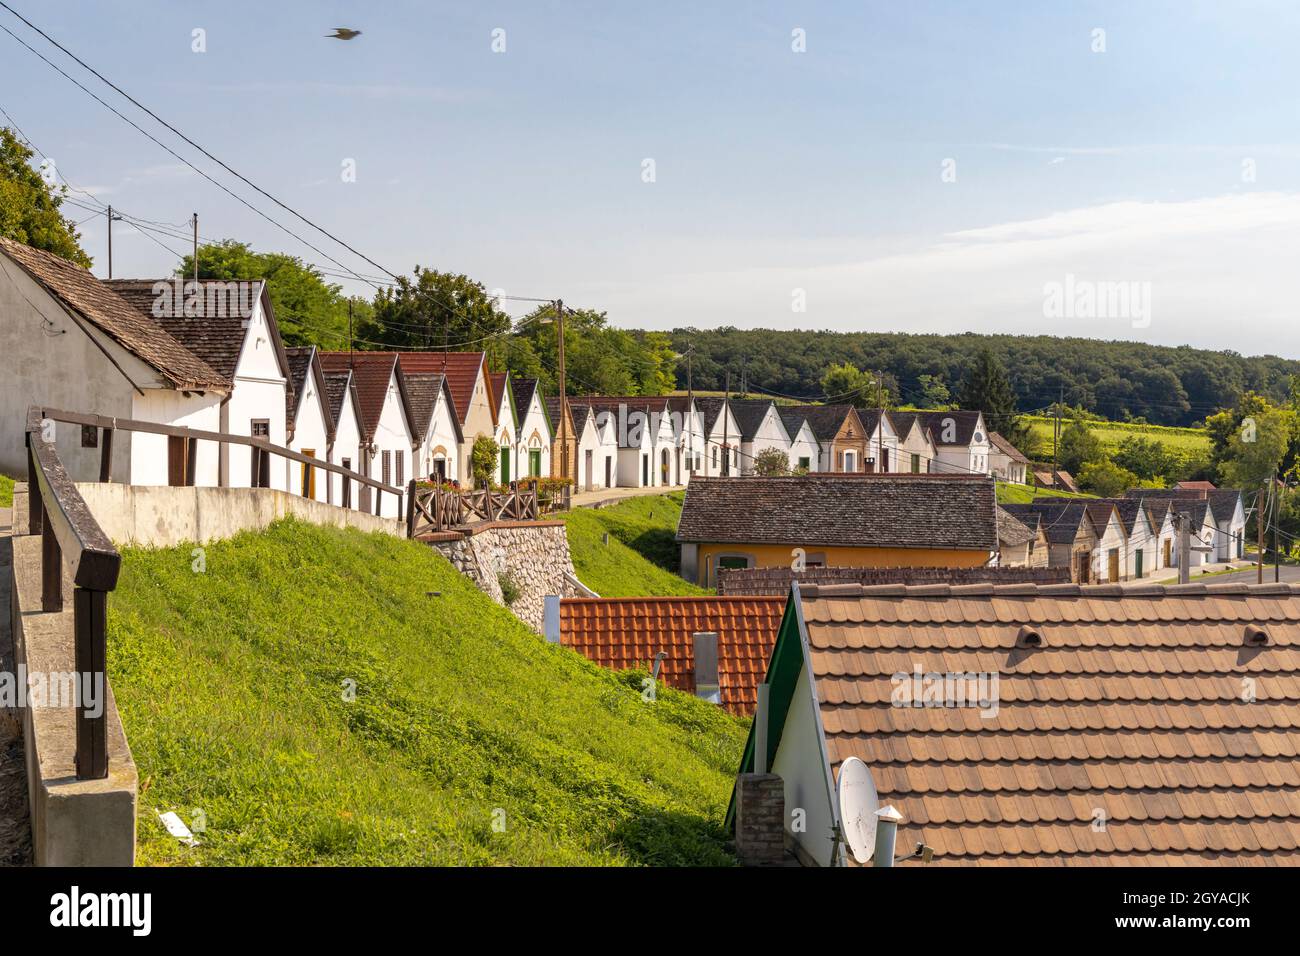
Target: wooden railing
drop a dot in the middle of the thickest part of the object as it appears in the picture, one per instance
(69, 533)
(435, 508)
(108, 425)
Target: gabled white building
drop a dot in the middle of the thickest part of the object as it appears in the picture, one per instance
(722, 438)
(1108, 557)
(231, 326)
(507, 424)
(434, 420)
(689, 436)
(534, 433)
(388, 442)
(761, 429)
(916, 450)
(71, 343)
(804, 448)
(961, 441)
(345, 440)
(308, 425)
(882, 441)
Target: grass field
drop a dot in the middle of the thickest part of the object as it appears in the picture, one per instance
(1187, 441)
(642, 556)
(6, 491)
(469, 740)
(1009, 494)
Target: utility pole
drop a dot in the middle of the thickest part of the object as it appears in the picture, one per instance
(564, 399)
(1184, 547)
(1277, 552)
(726, 440)
(690, 412)
(1259, 534)
(349, 333)
(1056, 434)
(111, 218)
(196, 248)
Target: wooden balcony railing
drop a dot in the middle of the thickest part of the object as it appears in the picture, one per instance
(70, 534)
(439, 508)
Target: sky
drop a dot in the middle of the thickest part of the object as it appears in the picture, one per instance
(1115, 170)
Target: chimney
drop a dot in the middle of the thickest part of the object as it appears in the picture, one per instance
(706, 666)
(887, 821)
(760, 819)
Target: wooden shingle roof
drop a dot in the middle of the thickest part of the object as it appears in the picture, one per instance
(96, 302)
(1145, 710)
(622, 633)
(899, 511)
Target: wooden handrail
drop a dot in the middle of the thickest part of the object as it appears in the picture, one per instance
(181, 431)
(69, 531)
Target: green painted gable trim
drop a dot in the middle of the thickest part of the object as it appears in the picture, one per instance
(782, 678)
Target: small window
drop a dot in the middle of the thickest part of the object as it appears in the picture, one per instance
(387, 467)
(89, 436)
(401, 467)
(805, 463)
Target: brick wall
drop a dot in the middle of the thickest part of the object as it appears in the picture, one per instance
(737, 582)
(760, 819)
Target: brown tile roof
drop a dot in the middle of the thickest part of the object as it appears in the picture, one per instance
(422, 391)
(97, 303)
(461, 369)
(338, 385)
(622, 633)
(1062, 519)
(217, 334)
(907, 511)
(1196, 485)
(501, 396)
(1008, 449)
(1013, 532)
(371, 373)
(1133, 708)
(750, 414)
(301, 365)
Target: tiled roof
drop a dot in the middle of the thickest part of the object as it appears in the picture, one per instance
(501, 397)
(903, 422)
(904, 511)
(1061, 519)
(962, 430)
(1008, 449)
(1223, 501)
(1129, 510)
(710, 408)
(1066, 480)
(1100, 512)
(1134, 713)
(792, 417)
(1196, 485)
(749, 415)
(825, 420)
(523, 389)
(97, 303)
(371, 373)
(422, 389)
(1011, 531)
(337, 387)
(622, 633)
(580, 412)
(461, 369)
(216, 335)
(299, 368)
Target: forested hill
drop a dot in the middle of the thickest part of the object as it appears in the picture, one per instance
(1118, 380)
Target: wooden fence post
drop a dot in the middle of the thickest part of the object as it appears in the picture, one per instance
(410, 509)
(105, 454)
(89, 652)
(51, 566)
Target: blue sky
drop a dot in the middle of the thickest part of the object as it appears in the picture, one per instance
(1169, 162)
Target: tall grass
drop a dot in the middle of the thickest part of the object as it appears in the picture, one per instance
(468, 739)
(642, 555)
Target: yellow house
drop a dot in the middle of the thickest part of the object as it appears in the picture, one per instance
(866, 520)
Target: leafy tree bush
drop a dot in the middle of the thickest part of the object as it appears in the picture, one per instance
(483, 459)
(771, 462)
(29, 205)
(1079, 447)
(1105, 479)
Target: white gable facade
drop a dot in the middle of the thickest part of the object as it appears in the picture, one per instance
(770, 433)
(310, 437)
(533, 439)
(257, 400)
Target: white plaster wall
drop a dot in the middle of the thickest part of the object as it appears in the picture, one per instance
(771, 433)
(347, 444)
(1113, 537)
(440, 441)
(392, 434)
(309, 432)
(149, 452)
(805, 445)
(799, 763)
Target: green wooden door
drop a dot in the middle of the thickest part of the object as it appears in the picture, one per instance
(535, 462)
(1137, 563)
(505, 466)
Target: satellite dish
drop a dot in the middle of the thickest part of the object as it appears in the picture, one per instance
(858, 805)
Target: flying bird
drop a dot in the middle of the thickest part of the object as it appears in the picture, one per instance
(342, 33)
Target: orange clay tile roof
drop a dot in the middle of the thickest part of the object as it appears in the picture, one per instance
(1131, 712)
(371, 373)
(460, 368)
(621, 633)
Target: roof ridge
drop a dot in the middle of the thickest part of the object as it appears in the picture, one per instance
(1030, 589)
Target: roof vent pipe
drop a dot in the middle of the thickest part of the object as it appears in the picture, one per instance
(887, 821)
(1029, 637)
(1256, 636)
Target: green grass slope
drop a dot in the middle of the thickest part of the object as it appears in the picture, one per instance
(642, 556)
(6, 491)
(469, 739)
(1014, 494)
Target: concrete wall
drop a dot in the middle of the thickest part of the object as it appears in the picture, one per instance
(165, 517)
(74, 822)
(534, 555)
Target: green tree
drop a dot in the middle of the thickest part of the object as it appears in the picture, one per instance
(934, 394)
(986, 388)
(483, 459)
(1147, 458)
(598, 358)
(1255, 451)
(436, 309)
(1105, 478)
(847, 383)
(29, 205)
(308, 309)
(771, 462)
(1079, 446)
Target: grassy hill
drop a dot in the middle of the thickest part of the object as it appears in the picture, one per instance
(1186, 441)
(642, 556)
(1009, 494)
(232, 684)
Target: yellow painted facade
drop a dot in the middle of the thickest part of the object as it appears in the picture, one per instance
(781, 555)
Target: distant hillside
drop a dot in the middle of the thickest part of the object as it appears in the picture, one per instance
(1117, 380)
(469, 741)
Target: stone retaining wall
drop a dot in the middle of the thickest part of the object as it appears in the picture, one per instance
(533, 556)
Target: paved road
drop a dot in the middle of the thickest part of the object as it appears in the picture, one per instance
(1290, 575)
(15, 832)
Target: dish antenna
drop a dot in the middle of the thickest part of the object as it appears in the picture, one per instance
(858, 805)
